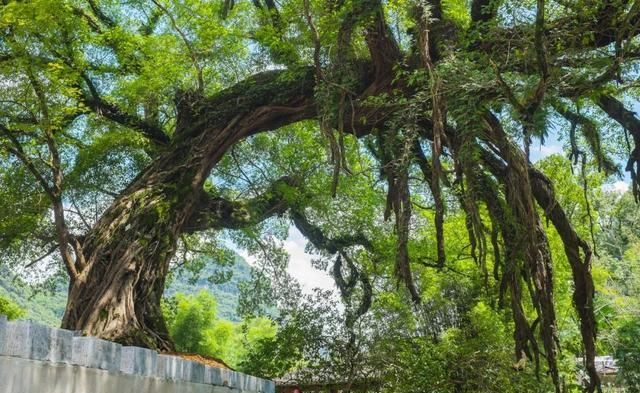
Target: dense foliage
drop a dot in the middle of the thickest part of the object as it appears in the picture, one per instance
(628, 354)
(143, 138)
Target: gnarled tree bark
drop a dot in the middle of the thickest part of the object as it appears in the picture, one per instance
(127, 253)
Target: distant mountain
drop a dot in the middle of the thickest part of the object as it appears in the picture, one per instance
(226, 294)
(47, 307)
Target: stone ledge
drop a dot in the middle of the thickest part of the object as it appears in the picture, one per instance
(31, 376)
(170, 367)
(31, 341)
(93, 352)
(27, 340)
(212, 376)
(138, 361)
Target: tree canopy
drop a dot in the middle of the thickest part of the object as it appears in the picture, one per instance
(396, 136)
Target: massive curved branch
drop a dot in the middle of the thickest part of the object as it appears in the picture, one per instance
(320, 241)
(268, 100)
(214, 212)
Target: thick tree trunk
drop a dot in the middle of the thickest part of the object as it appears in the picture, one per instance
(117, 294)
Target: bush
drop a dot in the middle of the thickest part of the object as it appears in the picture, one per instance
(195, 327)
(628, 354)
(192, 316)
(476, 357)
(10, 309)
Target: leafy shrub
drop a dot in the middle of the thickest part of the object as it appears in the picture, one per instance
(628, 354)
(194, 327)
(10, 309)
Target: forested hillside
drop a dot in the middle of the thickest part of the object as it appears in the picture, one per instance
(47, 305)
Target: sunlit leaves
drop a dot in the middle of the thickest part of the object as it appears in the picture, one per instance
(195, 327)
(457, 11)
(10, 309)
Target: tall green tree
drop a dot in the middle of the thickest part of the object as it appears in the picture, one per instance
(450, 93)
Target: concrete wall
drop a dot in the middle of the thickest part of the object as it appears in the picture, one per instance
(36, 358)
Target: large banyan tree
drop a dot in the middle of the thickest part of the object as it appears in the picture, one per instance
(455, 90)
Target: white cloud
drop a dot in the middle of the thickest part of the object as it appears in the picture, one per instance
(547, 150)
(552, 147)
(299, 263)
(619, 187)
(251, 260)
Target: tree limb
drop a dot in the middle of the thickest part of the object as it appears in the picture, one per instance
(110, 111)
(217, 213)
(320, 241)
(630, 122)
